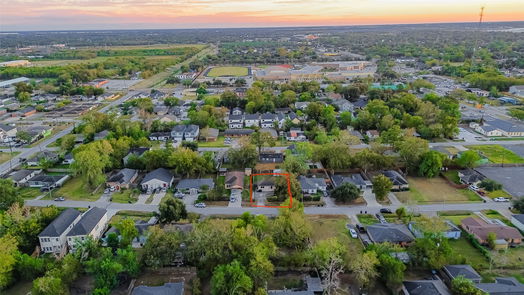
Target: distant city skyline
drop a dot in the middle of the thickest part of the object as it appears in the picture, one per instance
(23, 15)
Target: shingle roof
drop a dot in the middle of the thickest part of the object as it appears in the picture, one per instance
(195, 183)
(160, 174)
(238, 131)
(255, 116)
(519, 217)
(166, 289)
(311, 183)
(123, 176)
(395, 177)
(481, 229)
(502, 286)
(354, 178)
(6, 127)
(60, 224)
(389, 232)
(20, 174)
(88, 221)
(462, 270)
(426, 287)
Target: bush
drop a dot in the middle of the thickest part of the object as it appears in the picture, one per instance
(477, 245)
(201, 198)
(490, 185)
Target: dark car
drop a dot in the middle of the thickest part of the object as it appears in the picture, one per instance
(386, 210)
(361, 229)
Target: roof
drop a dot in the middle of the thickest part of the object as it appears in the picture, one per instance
(481, 229)
(191, 128)
(166, 289)
(507, 126)
(519, 217)
(238, 131)
(311, 182)
(235, 178)
(195, 183)
(502, 286)
(88, 221)
(464, 270)
(178, 128)
(6, 127)
(60, 224)
(354, 178)
(236, 117)
(161, 174)
(426, 287)
(389, 232)
(123, 176)
(470, 176)
(395, 177)
(13, 81)
(47, 178)
(20, 174)
(138, 151)
(268, 116)
(271, 132)
(254, 116)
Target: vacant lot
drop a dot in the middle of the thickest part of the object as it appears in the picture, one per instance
(434, 190)
(76, 190)
(125, 196)
(497, 154)
(227, 71)
(4, 157)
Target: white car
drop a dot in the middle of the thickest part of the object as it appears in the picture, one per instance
(232, 199)
(500, 199)
(353, 233)
(473, 187)
(200, 205)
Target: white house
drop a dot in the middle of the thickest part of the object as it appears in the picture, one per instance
(53, 239)
(311, 185)
(518, 221)
(92, 224)
(159, 178)
(236, 121)
(267, 120)
(517, 90)
(7, 132)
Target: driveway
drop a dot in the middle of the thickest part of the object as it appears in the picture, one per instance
(369, 196)
(237, 194)
(158, 198)
(142, 198)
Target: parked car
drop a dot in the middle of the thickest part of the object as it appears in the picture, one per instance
(106, 191)
(353, 233)
(473, 187)
(385, 211)
(200, 205)
(361, 229)
(232, 199)
(500, 199)
(59, 199)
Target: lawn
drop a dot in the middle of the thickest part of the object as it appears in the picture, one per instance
(218, 143)
(455, 217)
(498, 194)
(493, 214)
(434, 190)
(227, 71)
(76, 190)
(4, 157)
(366, 219)
(473, 256)
(497, 154)
(126, 196)
(29, 192)
(453, 176)
(325, 227)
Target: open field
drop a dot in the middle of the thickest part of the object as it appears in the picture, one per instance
(75, 189)
(325, 227)
(497, 154)
(227, 71)
(473, 256)
(434, 190)
(4, 157)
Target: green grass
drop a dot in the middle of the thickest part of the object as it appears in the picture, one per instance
(228, 71)
(497, 154)
(473, 257)
(76, 190)
(218, 143)
(493, 214)
(452, 175)
(126, 196)
(4, 157)
(472, 196)
(29, 192)
(455, 217)
(366, 219)
(498, 194)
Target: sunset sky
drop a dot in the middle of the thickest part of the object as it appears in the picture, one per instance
(166, 14)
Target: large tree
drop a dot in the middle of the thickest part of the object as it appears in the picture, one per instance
(244, 156)
(328, 258)
(463, 286)
(8, 194)
(431, 164)
(172, 210)
(291, 229)
(260, 139)
(346, 192)
(411, 150)
(8, 253)
(468, 159)
(230, 279)
(127, 230)
(381, 186)
(162, 247)
(365, 268)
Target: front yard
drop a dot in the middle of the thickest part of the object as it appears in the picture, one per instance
(434, 190)
(75, 189)
(126, 196)
(497, 154)
(29, 193)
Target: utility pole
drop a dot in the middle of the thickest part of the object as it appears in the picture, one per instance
(476, 40)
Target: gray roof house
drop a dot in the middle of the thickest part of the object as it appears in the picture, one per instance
(311, 185)
(470, 176)
(101, 135)
(21, 177)
(452, 231)
(195, 184)
(47, 181)
(158, 178)
(518, 221)
(137, 152)
(390, 232)
(465, 270)
(92, 224)
(502, 286)
(43, 155)
(425, 287)
(354, 178)
(53, 238)
(399, 182)
(185, 132)
(122, 179)
(166, 289)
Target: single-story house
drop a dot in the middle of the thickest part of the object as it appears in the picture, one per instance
(238, 132)
(195, 185)
(452, 231)
(26, 112)
(390, 232)
(311, 185)
(266, 185)
(271, 157)
(156, 179)
(167, 288)
(68, 159)
(296, 134)
(480, 230)
(21, 177)
(92, 224)
(313, 287)
(234, 180)
(502, 286)
(465, 270)
(141, 225)
(40, 156)
(122, 179)
(47, 181)
(425, 287)
(7, 132)
(135, 152)
(355, 178)
(518, 221)
(399, 182)
(470, 176)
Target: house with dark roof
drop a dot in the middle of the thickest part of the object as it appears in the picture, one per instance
(53, 238)
(311, 185)
(355, 178)
(157, 179)
(251, 120)
(47, 181)
(101, 135)
(480, 229)
(518, 221)
(238, 132)
(470, 176)
(7, 132)
(20, 177)
(166, 289)
(42, 156)
(390, 232)
(185, 132)
(234, 180)
(425, 287)
(92, 224)
(122, 179)
(135, 152)
(456, 270)
(271, 157)
(236, 121)
(502, 286)
(195, 185)
(451, 232)
(313, 287)
(267, 120)
(141, 226)
(399, 182)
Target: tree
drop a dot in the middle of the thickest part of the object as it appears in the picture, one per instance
(24, 97)
(67, 142)
(172, 210)
(209, 246)
(491, 238)
(327, 257)
(127, 230)
(291, 229)
(49, 285)
(162, 247)
(411, 150)
(401, 212)
(244, 156)
(346, 192)
(468, 159)
(463, 286)
(421, 83)
(230, 279)
(89, 165)
(28, 268)
(192, 145)
(8, 194)
(8, 252)
(432, 251)
(295, 165)
(365, 268)
(490, 185)
(431, 164)
(23, 136)
(259, 139)
(392, 271)
(381, 186)
(518, 204)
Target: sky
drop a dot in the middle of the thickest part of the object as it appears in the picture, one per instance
(20, 15)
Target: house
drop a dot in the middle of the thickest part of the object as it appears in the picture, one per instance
(267, 120)
(271, 157)
(234, 180)
(101, 135)
(238, 132)
(209, 134)
(465, 270)
(68, 159)
(236, 121)
(252, 120)
(470, 176)
(26, 112)
(502, 286)
(161, 136)
(47, 181)
(266, 185)
(21, 177)
(301, 105)
(53, 238)
(195, 185)
(390, 232)
(311, 185)
(372, 134)
(191, 132)
(343, 105)
(167, 119)
(517, 90)
(7, 133)
(159, 178)
(313, 287)
(497, 127)
(452, 231)
(237, 111)
(399, 182)
(134, 152)
(37, 132)
(296, 134)
(42, 156)
(518, 221)
(480, 230)
(142, 227)
(280, 120)
(425, 287)
(167, 288)
(92, 224)
(177, 133)
(355, 178)
(450, 151)
(122, 179)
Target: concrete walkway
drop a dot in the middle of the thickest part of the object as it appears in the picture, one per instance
(371, 201)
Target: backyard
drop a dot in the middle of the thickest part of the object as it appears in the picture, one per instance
(218, 143)
(497, 154)
(434, 190)
(227, 71)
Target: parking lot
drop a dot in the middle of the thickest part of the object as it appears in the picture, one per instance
(509, 177)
